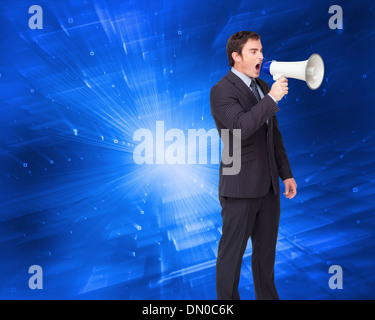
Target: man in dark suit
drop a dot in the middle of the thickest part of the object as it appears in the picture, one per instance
(250, 199)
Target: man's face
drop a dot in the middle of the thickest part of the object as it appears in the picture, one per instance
(250, 60)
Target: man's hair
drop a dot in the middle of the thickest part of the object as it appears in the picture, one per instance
(237, 41)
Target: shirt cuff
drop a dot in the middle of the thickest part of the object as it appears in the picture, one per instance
(272, 98)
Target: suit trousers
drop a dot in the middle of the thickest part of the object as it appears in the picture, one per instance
(244, 218)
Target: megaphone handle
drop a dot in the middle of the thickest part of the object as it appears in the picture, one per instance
(277, 76)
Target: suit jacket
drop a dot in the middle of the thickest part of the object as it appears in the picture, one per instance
(263, 156)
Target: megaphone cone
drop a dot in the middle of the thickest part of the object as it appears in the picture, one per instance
(311, 70)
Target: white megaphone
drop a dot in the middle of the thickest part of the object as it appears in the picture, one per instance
(311, 71)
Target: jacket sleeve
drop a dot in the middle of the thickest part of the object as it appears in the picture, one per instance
(281, 157)
(226, 108)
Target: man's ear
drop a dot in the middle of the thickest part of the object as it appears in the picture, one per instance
(236, 56)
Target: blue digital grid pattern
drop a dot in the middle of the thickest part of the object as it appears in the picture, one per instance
(102, 227)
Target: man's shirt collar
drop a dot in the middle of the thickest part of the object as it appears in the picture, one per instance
(242, 76)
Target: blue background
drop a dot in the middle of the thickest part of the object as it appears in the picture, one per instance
(102, 227)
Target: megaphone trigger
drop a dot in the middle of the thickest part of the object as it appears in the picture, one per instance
(277, 76)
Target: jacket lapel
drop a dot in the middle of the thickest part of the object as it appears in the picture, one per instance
(265, 89)
(240, 85)
(262, 85)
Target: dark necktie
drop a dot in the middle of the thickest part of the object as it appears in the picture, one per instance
(254, 89)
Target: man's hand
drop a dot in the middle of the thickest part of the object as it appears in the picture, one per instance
(290, 188)
(279, 88)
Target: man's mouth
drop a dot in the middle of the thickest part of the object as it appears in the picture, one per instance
(257, 67)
